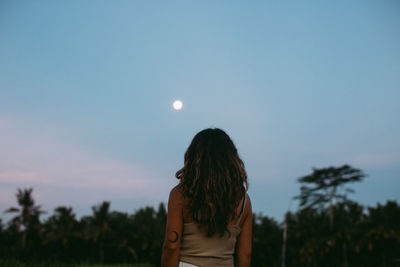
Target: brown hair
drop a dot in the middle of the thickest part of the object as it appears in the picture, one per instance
(214, 180)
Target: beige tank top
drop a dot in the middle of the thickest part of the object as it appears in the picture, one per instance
(203, 251)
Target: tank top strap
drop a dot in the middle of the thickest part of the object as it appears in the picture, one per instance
(242, 211)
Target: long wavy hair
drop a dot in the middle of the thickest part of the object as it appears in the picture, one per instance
(214, 180)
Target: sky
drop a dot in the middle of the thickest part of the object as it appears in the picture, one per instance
(86, 93)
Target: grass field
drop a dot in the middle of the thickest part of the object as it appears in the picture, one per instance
(14, 263)
(116, 265)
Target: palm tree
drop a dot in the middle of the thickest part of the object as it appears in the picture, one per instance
(29, 213)
(122, 232)
(100, 222)
(61, 226)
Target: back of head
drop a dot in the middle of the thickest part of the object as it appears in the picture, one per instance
(214, 180)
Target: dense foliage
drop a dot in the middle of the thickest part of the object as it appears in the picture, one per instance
(360, 236)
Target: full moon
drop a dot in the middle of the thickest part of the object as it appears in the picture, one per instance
(177, 104)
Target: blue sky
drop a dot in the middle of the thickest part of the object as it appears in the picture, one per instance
(86, 92)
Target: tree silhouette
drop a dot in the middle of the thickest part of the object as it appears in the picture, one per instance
(325, 185)
(362, 236)
(61, 226)
(266, 236)
(382, 237)
(122, 240)
(28, 218)
(100, 222)
(147, 239)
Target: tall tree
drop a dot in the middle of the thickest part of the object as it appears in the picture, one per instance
(100, 222)
(28, 217)
(266, 235)
(61, 226)
(382, 236)
(323, 186)
(121, 237)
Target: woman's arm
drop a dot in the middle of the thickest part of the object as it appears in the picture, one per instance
(244, 241)
(173, 232)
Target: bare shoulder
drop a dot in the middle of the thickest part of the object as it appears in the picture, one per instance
(248, 207)
(176, 195)
(247, 214)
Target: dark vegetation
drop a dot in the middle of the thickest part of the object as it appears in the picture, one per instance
(328, 229)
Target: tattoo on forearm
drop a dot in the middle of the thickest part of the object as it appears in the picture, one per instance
(175, 238)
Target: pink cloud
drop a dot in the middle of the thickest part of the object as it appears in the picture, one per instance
(38, 155)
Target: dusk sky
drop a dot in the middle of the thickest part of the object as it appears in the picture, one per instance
(86, 93)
